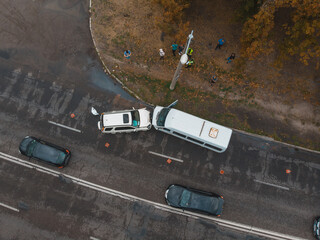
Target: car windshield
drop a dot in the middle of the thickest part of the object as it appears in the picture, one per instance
(162, 116)
(185, 197)
(49, 154)
(135, 118)
(31, 147)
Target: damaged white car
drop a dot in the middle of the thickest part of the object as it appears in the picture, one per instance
(125, 121)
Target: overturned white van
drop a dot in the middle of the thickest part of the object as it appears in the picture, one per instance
(191, 128)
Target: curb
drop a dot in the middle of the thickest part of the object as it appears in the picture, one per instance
(105, 68)
(270, 139)
(107, 71)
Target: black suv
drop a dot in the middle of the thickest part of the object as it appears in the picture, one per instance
(44, 151)
(194, 200)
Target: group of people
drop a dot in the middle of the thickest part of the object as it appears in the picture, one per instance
(175, 47)
(221, 41)
(190, 61)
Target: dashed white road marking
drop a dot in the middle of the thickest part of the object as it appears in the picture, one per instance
(222, 222)
(93, 238)
(7, 206)
(165, 156)
(64, 126)
(272, 185)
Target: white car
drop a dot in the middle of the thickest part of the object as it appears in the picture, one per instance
(125, 121)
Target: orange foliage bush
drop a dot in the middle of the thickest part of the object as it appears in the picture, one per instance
(302, 31)
(172, 20)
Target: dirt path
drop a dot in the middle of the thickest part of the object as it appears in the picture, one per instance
(252, 96)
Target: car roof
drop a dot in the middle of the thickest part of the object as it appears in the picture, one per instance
(49, 153)
(194, 199)
(122, 118)
(204, 202)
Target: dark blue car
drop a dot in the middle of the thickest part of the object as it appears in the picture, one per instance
(44, 151)
(194, 200)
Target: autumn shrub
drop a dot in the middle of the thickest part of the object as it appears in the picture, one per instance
(246, 9)
(171, 22)
(301, 29)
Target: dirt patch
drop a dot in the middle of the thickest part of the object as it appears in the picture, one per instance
(249, 95)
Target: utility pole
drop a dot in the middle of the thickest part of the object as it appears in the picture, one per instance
(183, 60)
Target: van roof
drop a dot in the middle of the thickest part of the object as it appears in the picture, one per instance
(197, 127)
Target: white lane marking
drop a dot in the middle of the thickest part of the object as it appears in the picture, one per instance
(165, 156)
(176, 211)
(64, 126)
(219, 221)
(93, 238)
(7, 206)
(272, 185)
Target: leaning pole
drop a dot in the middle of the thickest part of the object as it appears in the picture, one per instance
(183, 60)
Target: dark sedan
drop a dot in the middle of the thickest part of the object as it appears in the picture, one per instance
(194, 200)
(316, 228)
(44, 151)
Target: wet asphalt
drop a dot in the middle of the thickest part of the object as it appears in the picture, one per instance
(48, 70)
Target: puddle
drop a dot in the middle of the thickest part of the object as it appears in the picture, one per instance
(69, 7)
(102, 81)
(4, 54)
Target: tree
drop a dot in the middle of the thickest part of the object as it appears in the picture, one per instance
(171, 21)
(302, 30)
(247, 9)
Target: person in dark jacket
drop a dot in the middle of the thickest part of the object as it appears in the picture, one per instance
(232, 56)
(180, 49)
(213, 80)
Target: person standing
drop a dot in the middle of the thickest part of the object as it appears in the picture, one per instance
(162, 53)
(180, 49)
(232, 57)
(174, 47)
(189, 53)
(127, 54)
(189, 63)
(220, 43)
(213, 80)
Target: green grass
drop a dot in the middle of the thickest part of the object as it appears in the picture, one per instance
(226, 89)
(201, 103)
(120, 40)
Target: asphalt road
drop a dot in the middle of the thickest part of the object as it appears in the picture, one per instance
(53, 209)
(48, 70)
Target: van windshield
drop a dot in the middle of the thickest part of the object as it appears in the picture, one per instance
(162, 116)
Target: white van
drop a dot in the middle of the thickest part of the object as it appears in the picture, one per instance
(191, 128)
